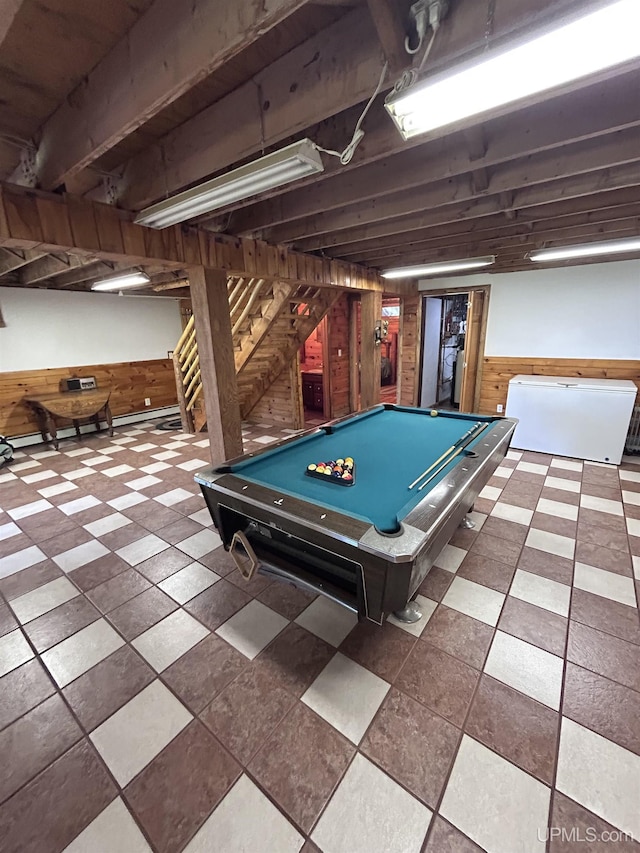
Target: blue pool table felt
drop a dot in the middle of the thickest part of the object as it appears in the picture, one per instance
(390, 448)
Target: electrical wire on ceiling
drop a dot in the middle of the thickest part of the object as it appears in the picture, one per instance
(426, 14)
(346, 155)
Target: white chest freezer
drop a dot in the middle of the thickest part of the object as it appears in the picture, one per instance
(569, 416)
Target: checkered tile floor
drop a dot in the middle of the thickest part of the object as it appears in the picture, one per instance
(151, 700)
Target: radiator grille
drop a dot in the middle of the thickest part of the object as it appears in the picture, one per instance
(633, 437)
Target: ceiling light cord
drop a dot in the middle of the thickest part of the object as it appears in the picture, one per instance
(436, 13)
(346, 156)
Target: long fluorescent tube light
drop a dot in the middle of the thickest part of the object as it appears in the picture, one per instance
(585, 46)
(274, 170)
(117, 282)
(587, 250)
(442, 267)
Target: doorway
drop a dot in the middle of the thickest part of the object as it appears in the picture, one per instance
(390, 329)
(313, 363)
(453, 331)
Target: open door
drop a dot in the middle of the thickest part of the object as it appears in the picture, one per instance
(474, 349)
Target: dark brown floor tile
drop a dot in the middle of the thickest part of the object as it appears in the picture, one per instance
(254, 587)
(413, 745)
(22, 689)
(204, 671)
(29, 579)
(108, 686)
(61, 622)
(600, 476)
(459, 635)
(111, 594)
(483, 505)
(295, 658)
(487, 571)
(382, 649)
(561, 495)
(161, 517)
(513, 725)
(47, 814)
(139, 613)
(439, 681)
(496, 549)
(602, 536)
(634, 545)
(554, 524)
(301, 763)
(178, 790)
(608, 656)
(32, 742)
(444, 838)
(123, 536)
(99, 571)
(286, 599)
(65, 541)
(504, 529)
(547, 565)
(606, 615)
(536, 457)
(164, 564)
(577, 830)
(464, 537)
(515, 497)
(534, 625)
(219, 561)
(94, 513)
(7, 620)
(607, 708)
(309, 847)
(604, 558)
(14, 544)
(179, 530)
(216, 604)
(436, 583)
(45, 525)
(245, 713)
(602, 519)
(610, 493)
(191, 505)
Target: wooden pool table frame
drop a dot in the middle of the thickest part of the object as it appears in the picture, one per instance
(343, 557)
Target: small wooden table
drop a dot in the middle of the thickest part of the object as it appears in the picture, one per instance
(72, 405)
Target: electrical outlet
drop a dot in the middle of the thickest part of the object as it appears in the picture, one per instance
(147, 401)
(499, 408)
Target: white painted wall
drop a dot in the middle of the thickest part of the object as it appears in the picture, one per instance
(590, 311)
(49, 328)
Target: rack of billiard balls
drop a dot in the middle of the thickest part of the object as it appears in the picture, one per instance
(342, 472)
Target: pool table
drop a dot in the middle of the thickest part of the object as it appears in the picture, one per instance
(369, 545)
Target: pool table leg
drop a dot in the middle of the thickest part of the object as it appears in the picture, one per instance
(468, 523)
(410, 613)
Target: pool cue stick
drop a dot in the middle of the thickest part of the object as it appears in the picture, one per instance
(446, 453)
(453, 455)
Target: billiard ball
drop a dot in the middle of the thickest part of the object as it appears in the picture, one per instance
(311, 467)
(434, 413)
(339, 461)
(347, 476)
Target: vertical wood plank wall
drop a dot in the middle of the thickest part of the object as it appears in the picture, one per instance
(497, 371)
(131, 382)
(338, 373)
(409, 349)
(282, 403)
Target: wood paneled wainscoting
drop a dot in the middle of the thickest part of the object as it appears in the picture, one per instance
(498, 370)
(131, 382)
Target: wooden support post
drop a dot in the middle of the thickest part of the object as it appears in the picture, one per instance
(370, 356)
(210, 300)
(354, 353)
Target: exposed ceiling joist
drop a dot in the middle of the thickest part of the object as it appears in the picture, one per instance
(170, 49)
(49, 266)
(572, 118)
(618, 150)
(330, 72)
(388, 19)
(13, 259)
(8, 12)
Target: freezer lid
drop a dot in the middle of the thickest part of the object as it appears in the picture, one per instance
(618, 385)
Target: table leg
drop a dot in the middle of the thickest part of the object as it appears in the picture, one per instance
(76, 424)
(51, 426)
(410, 613)
(108, 418)
(96, 420)
(42, 422)
(467, 523)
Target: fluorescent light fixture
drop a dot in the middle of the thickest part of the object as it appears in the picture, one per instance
(274, 170)
(118, 282)
(442, 267)
(578, 49)
(587, 250)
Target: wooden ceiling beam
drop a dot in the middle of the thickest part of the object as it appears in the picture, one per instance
(494, 226)
(170, 49)
(13, 259)
(586, 115)
(47, 267)
(614, 150)
(575, 187)
(9, 10)
(498, 244)
(330, 72)
(389, 21)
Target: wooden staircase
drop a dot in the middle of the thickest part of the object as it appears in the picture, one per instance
(270, 321)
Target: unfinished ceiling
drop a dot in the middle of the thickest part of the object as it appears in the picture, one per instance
(132, 101)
